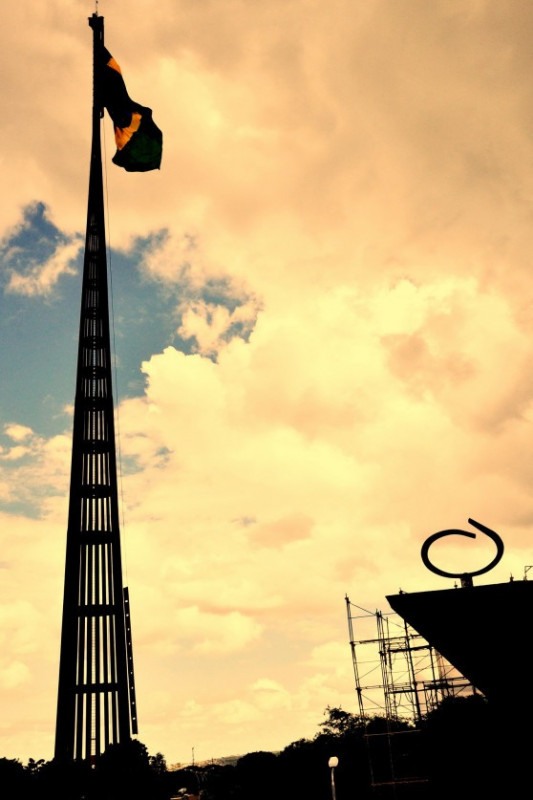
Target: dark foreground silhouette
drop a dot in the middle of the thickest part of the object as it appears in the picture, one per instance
(462, 749)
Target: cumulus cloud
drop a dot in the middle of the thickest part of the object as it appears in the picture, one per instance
(342, 227)
(35, 473)
(13, 674)
(42, 279)
(211, 325)
(18, 432)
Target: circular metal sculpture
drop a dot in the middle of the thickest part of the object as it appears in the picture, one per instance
(466, 577)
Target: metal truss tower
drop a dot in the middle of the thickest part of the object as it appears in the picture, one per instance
(96, 694)
(400, 678)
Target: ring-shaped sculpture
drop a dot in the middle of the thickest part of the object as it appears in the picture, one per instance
(466, 577)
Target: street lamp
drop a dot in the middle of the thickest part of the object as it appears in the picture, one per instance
(332, 763)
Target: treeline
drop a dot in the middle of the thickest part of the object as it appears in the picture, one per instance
(461, 750)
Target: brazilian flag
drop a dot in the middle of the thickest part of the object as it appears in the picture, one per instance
(139, 141)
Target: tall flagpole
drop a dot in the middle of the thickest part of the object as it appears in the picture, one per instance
(96, 703)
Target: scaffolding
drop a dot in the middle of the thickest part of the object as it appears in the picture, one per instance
(399, 678)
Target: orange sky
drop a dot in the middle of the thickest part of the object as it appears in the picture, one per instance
(361, 174)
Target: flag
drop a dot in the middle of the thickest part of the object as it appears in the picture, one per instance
(138, 139)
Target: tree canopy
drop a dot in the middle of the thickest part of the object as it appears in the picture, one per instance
(458, 751)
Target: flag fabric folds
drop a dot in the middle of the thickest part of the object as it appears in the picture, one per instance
(138, 139)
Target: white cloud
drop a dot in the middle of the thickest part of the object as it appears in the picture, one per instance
(18, 433)
(210, 324)
(13, 674)
(42, 278)
(358, 178)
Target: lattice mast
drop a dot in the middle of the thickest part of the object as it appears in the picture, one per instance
(96, 695)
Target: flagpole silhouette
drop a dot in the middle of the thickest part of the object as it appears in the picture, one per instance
(96, 703)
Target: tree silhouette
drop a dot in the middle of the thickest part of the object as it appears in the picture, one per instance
(463, 749)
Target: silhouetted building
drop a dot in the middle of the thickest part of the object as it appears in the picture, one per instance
(485, 632)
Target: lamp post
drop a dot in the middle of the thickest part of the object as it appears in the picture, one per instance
(332, 763)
